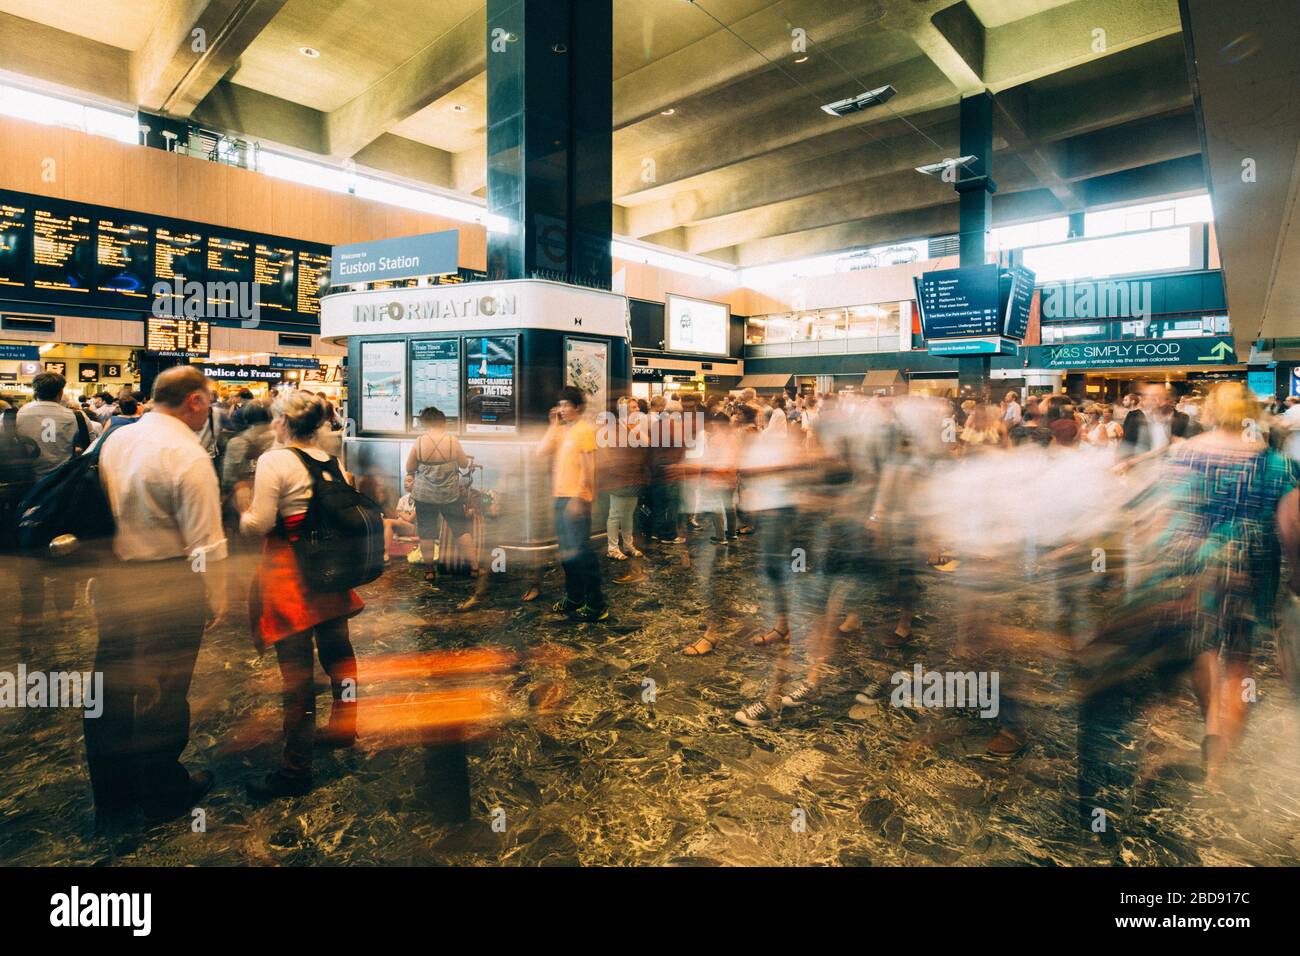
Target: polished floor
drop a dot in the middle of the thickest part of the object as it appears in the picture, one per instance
(570, 763)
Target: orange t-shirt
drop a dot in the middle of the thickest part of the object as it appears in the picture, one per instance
(568, 478)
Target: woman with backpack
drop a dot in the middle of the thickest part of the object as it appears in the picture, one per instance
(433, 477)
(286, 611)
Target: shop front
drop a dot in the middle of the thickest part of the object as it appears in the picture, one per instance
(1106, 371)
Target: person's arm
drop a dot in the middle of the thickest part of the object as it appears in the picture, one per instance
(260, 517)
(411, 463)
(458, 452)
(550, 440)
(198, 516)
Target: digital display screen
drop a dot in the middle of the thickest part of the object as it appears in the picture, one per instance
(178, 337)
(273, 271)
(124, 257)
(56, 251)
(960, 302)
(87, 372)
(313, 277)
(697, 326)
(63, 250)
(1020, 301)
(15, 244)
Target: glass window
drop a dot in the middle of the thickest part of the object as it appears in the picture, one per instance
(829, 324)
(864, 321)
(755, 330)
(779, 328)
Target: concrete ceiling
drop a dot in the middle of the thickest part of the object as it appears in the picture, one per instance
(1093, 101)
(1247, 80)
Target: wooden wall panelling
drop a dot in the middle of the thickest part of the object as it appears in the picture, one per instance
(24, 148)
(94, 169)
(369, 220)
(201, 190)
(248, 200)
(151, 181)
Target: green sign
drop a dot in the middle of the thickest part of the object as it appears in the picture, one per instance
(1142, 353)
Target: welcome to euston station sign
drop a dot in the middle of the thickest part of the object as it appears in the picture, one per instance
(1141, 353)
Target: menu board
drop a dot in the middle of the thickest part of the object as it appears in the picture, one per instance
(491, 393)
(124, 258)
(313, 274)
(63, 250)
(14, 244)
(383, 387)
(273, 271)
(959, 302)
(435, 378)
(178, 337)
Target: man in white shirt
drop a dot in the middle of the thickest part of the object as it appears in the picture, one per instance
(59, 433)
(153, 604)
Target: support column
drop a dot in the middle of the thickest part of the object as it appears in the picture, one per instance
(1076, 225)
(975, 191)
(549, 139)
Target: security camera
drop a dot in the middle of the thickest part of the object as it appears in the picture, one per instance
(856, 104)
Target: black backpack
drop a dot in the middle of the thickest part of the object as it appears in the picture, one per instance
(340, 544)
(18, 455)
(69, 500)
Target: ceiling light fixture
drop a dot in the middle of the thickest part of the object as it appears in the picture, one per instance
(802, 59)
(309, 52)
(938, 169)
(856, 104)
(459, 108)
(668, 112)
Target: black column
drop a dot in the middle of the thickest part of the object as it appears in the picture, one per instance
(975, 189)
(550, 117)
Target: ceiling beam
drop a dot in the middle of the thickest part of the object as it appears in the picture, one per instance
(193, 45)
(246, 112)
(448, 62)
(30, 49)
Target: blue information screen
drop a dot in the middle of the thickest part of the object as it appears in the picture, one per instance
(959, 302)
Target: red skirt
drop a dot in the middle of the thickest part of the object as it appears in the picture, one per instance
(280, 603)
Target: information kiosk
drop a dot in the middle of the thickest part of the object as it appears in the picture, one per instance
(493, 357)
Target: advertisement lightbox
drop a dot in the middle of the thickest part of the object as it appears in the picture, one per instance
(696, 326)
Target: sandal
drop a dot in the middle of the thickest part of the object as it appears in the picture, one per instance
(773, 636)
(705, 645)
(846, 628)
(430, 577)
(532, 594)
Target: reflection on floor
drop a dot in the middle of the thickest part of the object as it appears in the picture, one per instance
(583, 769)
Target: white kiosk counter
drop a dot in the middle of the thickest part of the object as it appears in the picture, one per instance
(493, 357)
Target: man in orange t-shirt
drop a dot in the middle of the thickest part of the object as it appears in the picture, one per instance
(571, 441)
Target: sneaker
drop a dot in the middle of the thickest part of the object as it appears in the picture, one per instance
(677, 540)
(615, 554)
(804, 693)
(564, 607)
(589, 613)
(757, 714)
(870, 694)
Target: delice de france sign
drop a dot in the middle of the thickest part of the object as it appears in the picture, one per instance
(432, 254)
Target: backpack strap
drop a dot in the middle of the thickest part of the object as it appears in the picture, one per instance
(83, 432)
(319, 469)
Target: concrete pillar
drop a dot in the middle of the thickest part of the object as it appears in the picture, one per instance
(549, 139)
(975, 189)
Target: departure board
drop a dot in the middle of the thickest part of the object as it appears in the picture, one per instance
(15, 244)
(178, 337)
(63, 250)
(273, 271)
(313, 273)
(55, 251)
(124, 256)
(178, 258)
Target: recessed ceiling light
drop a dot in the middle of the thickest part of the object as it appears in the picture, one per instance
(668, 112)
(459, 108)
(802, 59)
(309, 53)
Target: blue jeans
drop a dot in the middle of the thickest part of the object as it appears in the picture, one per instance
(581, 566)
